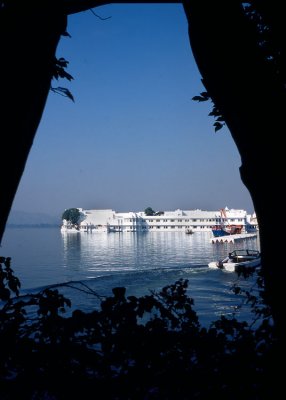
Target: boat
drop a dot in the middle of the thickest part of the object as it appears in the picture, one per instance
(238, 260)
(225, 228)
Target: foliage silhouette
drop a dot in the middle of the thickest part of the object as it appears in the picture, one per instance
(151, 347)
(270, 44)
(60, 65)
(219, 120)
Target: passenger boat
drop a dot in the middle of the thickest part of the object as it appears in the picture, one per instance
(226, 228)
(229, 230)
(237, 260)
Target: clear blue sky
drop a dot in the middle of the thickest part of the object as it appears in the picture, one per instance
(133, 138)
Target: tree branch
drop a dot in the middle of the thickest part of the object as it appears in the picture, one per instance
(98, 16)
(76, 6)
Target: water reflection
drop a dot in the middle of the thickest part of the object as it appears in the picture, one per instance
(101, 252)
(138, 261)
(135, 251)
(145, 262)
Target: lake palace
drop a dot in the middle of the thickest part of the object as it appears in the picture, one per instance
(162, 221)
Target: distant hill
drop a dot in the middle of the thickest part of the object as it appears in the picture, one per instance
(22, 218)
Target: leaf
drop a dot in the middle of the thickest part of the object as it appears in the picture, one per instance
(199, 98)
(204, 96)
(66, 34)
(215, 112)
(218, 126)
(63, 92)
(63, 74)
(220, 118)
(62, 62)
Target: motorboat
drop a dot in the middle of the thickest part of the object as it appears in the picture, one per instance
(237, 260)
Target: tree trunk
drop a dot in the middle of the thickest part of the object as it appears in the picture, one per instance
(28, 41)
(252, 103)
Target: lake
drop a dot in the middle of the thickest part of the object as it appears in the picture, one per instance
(138, 261)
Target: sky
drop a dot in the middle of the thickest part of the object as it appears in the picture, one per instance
(133, 138)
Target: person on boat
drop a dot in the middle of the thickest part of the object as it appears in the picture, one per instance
(225, 260)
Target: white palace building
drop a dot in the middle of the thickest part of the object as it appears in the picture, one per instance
(162, 221)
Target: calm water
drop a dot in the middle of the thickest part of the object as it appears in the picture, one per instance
(138, 261)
